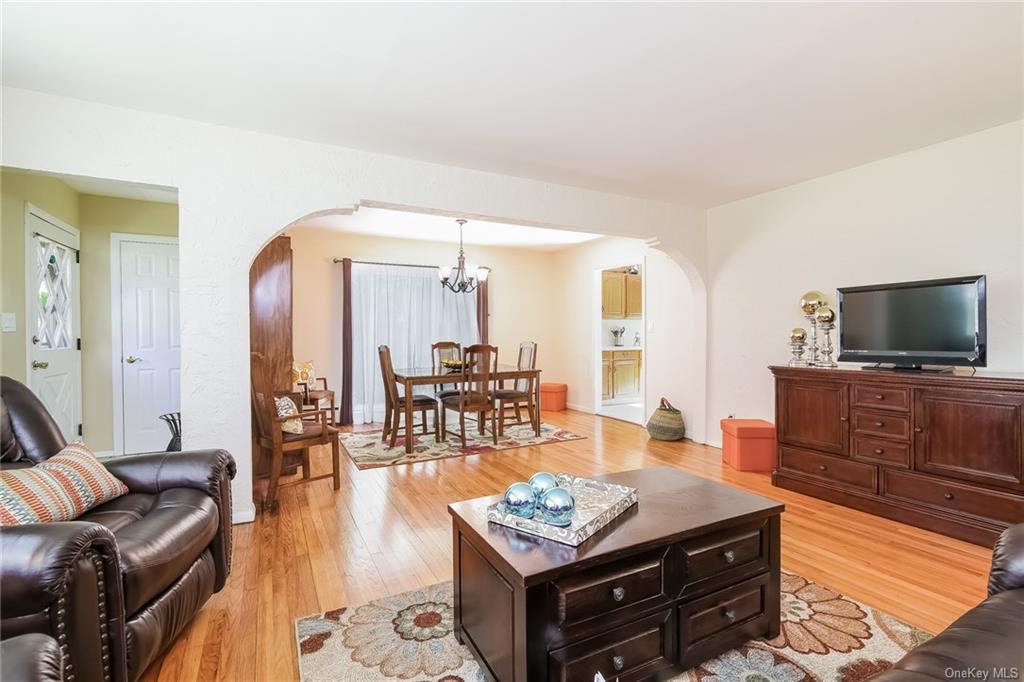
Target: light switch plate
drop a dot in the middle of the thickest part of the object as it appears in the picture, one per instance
(8, 322)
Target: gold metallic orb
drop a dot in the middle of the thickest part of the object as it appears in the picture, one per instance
(824, 315)
(798, 334)
(811, 301)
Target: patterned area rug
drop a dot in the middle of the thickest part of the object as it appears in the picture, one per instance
(367, 451)
(826, 637)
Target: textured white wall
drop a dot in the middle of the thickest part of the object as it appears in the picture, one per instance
(237, 189)
(949, 209)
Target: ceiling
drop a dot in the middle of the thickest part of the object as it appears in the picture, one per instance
(111, 188)
(384, 222)
(690, 102)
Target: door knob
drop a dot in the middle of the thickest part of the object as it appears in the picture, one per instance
(39, 365)
(131, 359)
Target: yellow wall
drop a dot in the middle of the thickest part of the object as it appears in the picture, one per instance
(57, 199)
(96, 217)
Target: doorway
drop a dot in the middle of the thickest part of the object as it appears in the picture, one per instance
(54, 355)
(621, 343)
(146, 339)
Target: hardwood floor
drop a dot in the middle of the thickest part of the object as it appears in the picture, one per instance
(387, 530)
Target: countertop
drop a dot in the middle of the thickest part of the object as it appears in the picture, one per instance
(610, 348)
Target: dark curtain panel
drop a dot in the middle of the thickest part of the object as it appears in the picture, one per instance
(481, 311)
(346, 343)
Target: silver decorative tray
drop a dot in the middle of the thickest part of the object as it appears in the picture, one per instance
(597, 504)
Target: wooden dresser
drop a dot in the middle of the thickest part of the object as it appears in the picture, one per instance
(940, 451)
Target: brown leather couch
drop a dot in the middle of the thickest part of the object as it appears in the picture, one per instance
(31, 658)
(117, 585)
(988, 639)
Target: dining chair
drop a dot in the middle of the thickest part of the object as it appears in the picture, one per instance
(394, 404)
(522, 391)
(476, 391)
(439, 352)
(312, 397)
(272, 438)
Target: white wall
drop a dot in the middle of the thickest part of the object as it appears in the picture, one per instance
(238, 188)
(674, 360)
(950, 209)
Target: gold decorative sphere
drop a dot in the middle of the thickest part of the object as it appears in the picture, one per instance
(811, 301)
(824, 315)
(798, 334)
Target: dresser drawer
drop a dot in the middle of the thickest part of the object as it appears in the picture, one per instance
(732, 614)
(837, 470)
(633, 651)
(881, 424)
(881, 397)
(633, 581)
(881, 451)
(956, 497)
(717, 558)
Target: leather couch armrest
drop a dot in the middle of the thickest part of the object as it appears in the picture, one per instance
(31, 658)
(1007, 571)
(208, 470)
(37, 560)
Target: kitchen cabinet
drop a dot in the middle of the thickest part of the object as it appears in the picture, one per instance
(606, 376)
(621, 296)
(634, 304)
(620, 374)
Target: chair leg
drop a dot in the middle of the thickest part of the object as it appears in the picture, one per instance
(305, 462)
(444, 421)
(437, 434)
(336, 462)
(495, 426)
(533, 410)
(519, 414)
(396, 415)
(423, 418)
(386, 431)
(480, 416)
(275, 473)
(462, 426)
(500, 405)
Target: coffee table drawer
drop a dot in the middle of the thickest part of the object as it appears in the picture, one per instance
(596, 592)
(837, 470)
(730, 615)
(631, 652)
(722, 557)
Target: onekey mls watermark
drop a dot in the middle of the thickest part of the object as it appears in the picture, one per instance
(983, 674)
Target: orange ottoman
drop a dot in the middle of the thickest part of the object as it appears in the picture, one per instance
(748, 444)
(552, 397)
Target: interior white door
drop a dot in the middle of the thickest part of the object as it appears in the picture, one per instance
(150, 343)
(54, 355)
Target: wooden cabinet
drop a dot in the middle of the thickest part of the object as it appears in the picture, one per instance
(634, 297)
(620, 373)
(621, 296)
(940, 451)
(613, 295)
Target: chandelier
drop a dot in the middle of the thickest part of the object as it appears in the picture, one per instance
(462, 279)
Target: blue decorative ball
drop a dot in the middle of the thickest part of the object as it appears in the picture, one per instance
(520, 500)
(557, 507)
(542, 482)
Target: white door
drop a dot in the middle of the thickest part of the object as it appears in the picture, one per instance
(150, 343)
(53, 311)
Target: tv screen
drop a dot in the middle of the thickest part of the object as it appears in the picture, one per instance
(913, 323)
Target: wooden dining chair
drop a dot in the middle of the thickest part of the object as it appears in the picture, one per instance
(272, 438)
(476, 391)
(522, 392)
(439, 352)
(394, 404)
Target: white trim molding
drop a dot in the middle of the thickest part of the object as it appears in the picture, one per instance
(116, 240)
(243, 514)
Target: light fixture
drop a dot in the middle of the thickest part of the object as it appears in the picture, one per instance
(462, 279)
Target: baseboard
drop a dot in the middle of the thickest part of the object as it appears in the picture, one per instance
(246, 514)
(713, 443)
(579, 408)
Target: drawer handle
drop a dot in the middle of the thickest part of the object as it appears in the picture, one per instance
(844, 419)
(618, 662)
(918, 429)
(618, 593)
(823, 467)
(879, 396)
(879, 424)
(729, 556)
(879, 451)
(948, 496)
(730, 615)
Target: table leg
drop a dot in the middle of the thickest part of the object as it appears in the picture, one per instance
(408, 418)
(536, 399)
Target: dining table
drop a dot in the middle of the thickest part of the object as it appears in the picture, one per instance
(410, 378)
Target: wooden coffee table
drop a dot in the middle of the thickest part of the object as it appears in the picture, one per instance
(686, 574)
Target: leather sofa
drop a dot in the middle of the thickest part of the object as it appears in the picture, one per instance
(118, 584)
(988, 639)
(31, 658)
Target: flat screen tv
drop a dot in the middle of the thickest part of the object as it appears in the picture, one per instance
(910, 324)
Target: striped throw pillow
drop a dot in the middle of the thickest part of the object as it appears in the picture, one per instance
(60, 489)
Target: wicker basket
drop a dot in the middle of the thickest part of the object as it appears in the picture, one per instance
(666, 423)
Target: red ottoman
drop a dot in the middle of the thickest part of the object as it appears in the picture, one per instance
(552, 397)
(748, 444)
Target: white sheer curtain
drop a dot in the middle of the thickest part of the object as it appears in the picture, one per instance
(407, 309)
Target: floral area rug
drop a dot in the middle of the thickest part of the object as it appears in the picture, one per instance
(826, 637)
(367, 451)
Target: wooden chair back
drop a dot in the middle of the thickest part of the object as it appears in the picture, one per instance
(527, 360)
(387, 373)
(443, 350)
(476, 381)
(263, 393)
